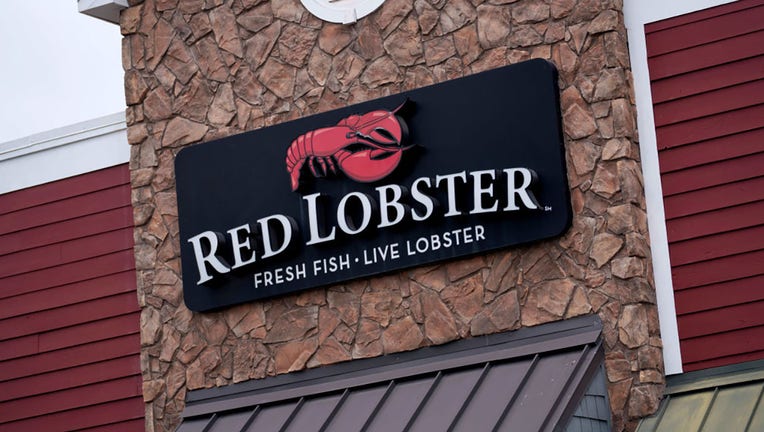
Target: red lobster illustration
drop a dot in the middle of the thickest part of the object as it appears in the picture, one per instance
(365, 147)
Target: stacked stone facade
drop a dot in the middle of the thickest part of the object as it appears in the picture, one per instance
(198, 70)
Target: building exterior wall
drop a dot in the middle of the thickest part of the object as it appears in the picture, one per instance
(708, 93)
(69, 336)
(638, 14)
(199, 70)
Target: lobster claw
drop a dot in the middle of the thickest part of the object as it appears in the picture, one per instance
(384, 137)
(369, 165)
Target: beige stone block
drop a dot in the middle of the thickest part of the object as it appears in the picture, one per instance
(402, 335)
(456, 14)
(493, 25)
(633, 327)
(531, 11)
(439, 324)
(257, 18)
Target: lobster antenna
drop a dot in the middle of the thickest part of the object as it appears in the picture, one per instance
(404, 105)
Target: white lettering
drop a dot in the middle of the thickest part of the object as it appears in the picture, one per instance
(280, 275)
(331, 264)
(237, 245)
(451, 187)
(456, 237)
(213, 239)
(287, 229)
(315, 236)
(479, 232)
(381, 253)
(426, 200)
(525, 195)
(394, 203)
(344, 221)
(480, 190)
(354, 214)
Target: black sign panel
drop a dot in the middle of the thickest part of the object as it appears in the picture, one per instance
(445, 171)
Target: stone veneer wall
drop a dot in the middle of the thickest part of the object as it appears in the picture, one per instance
(197, 70)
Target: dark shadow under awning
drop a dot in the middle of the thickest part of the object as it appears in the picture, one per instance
(531, 379)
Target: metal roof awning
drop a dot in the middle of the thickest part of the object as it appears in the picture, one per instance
(532, 379)
(728, 398)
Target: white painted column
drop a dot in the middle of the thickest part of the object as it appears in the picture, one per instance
(637, 13)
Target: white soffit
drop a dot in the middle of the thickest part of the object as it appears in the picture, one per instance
(64, 152)
(107, 10)
(637, 13)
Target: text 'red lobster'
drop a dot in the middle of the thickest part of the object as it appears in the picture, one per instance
(365, 147)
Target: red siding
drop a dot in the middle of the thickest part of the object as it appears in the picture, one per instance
(707, 75)
(69, 317)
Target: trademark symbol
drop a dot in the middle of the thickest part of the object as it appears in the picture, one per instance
(547, 208)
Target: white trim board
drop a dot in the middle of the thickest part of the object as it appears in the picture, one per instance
(107, 10)
(637, 13)
(63, 152)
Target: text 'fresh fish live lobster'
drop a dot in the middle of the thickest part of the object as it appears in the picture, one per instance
(491, 191)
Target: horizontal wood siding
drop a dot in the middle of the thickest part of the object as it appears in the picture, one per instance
(707, 77)
(69, 316)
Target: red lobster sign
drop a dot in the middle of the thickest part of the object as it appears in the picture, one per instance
(365, 147)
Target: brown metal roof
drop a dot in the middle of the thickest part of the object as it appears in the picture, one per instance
(528, 380)
(720, 399)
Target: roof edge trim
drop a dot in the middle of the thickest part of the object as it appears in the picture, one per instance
(715, 377)
(519, 343)
(63, 152)
(106, 10)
